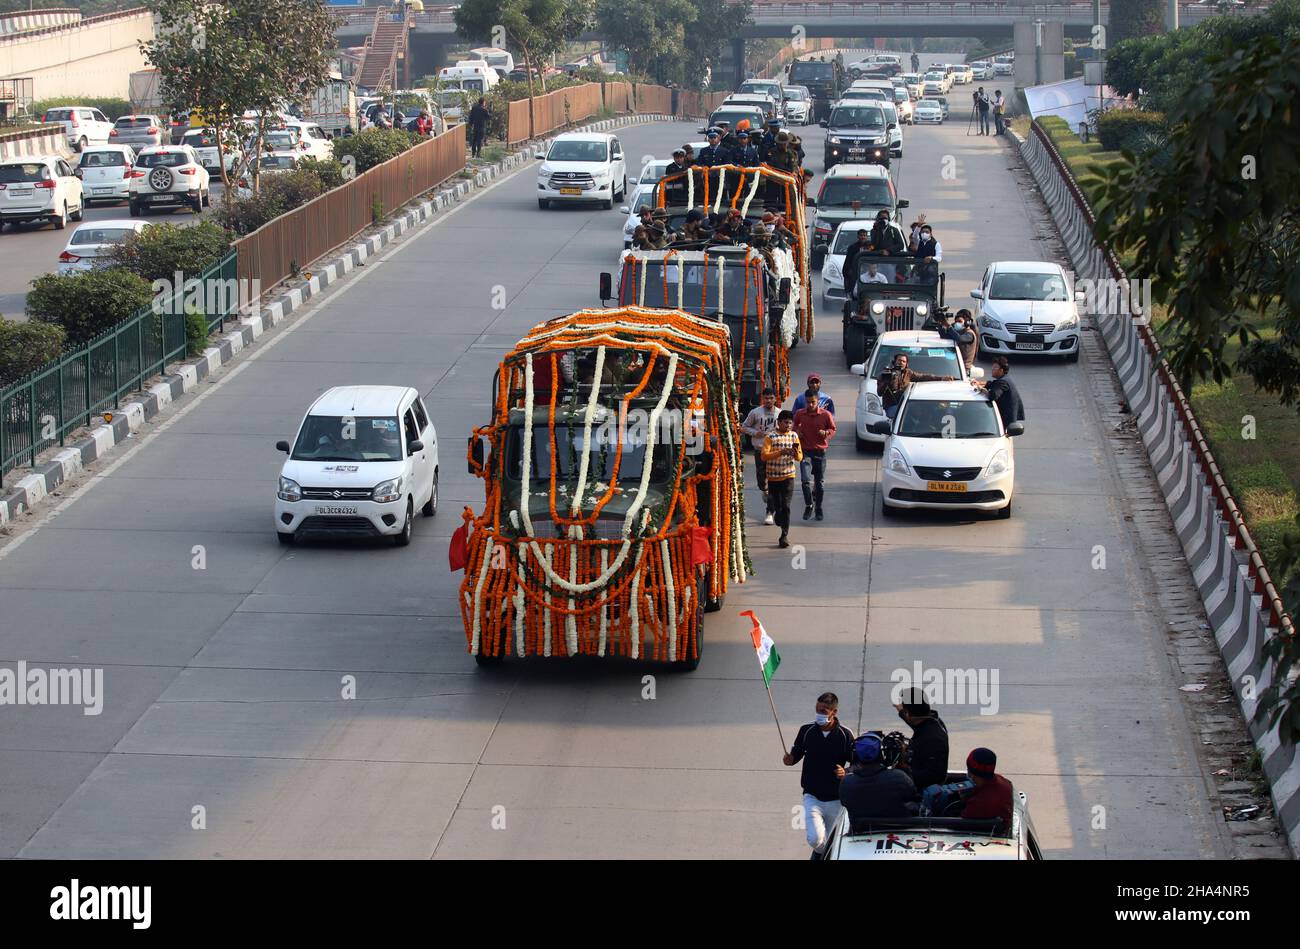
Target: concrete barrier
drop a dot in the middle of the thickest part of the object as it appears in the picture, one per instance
(1240, 600)
(47, 140)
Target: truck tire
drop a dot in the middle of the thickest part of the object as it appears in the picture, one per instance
(855, 345)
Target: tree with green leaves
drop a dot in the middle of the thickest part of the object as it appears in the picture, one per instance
(716, 23)
(537, 28)
(652, 32)
(1130, 18)
(223, 59)
(1213, 220)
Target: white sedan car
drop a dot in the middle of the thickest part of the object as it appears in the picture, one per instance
(1026, 306)
(927, 112)
(926, 351)
(91, 242)
(947, 450)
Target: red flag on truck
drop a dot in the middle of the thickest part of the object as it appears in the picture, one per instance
(701, 549)
(458, 553)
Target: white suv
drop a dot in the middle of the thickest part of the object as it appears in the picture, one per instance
(39, 189)
(84, 125)
(364, 461)
(168, 176)
(582, 166)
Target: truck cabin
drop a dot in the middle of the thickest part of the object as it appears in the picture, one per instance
(728, 284)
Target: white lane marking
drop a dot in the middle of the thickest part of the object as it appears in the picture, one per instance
(309, 312)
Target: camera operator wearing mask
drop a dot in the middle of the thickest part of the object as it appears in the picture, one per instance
(961, 330)
(893, 382)
(927, 752)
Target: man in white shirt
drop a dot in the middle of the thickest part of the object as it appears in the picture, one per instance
(873, 274)
(758, 424)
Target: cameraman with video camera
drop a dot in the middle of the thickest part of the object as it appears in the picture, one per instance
(927, 752)
(894, 380)
(872, 789)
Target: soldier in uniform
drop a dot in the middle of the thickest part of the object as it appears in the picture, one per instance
(744, 154)
(712, 153)
(767, 144)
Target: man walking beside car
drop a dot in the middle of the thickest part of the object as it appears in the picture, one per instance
(816, 427)
(1002, 391)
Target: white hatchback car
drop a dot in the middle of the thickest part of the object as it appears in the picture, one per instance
(948, 450)
(168, 177)
(105, 171)
(364, 461)
(92, 242)
(39, 189)
(582, 166)
(926, 352)
(1028, 307)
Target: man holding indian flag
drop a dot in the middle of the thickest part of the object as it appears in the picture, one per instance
(823, 745)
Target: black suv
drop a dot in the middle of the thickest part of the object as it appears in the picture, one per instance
(856, 132)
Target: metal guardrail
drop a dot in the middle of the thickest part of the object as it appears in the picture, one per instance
(39, 411)
(1224, 501)
(769, 11)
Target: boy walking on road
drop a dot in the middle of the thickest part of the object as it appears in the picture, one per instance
(782, 454)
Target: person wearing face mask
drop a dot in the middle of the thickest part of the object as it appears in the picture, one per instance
(961, 330)
(884, 238)
(825, 747)
(927, 752)
(930, 253)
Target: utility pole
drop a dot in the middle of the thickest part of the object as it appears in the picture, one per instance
(1173, 14)
(1038, 52)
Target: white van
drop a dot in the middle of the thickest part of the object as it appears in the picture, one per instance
(470, 75)
(364, 460)
(499, 59)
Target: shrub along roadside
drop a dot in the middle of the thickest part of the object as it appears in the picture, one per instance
(280, 193)
(1134, 129)
(1082, 158)
(374, 146)
(86, 304)
(161, 250)
(26, 347)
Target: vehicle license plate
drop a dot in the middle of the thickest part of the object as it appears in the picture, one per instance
(332, 509)
(102, 190)
(159, 198)
(1037, 346)
(952, 487)
(570, 191)
(857, 151)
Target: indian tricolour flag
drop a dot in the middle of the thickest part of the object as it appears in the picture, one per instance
(768, 657)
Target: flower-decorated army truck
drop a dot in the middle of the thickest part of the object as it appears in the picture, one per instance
(612, 468)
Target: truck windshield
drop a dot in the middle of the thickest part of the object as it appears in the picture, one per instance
(699, 291)
(803, 71)
(857, 117)
(842, 192)
(348, 438)
(567, 450)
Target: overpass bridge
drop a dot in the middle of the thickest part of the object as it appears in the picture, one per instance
(67, 55)
(432, 32)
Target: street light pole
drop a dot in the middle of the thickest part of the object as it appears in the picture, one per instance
(1173, 14)
(1038, 52)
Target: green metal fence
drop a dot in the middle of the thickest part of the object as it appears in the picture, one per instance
(40, 411)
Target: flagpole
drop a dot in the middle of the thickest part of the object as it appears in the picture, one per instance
(784, 748)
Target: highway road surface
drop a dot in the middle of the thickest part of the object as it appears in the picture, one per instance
(225, 731)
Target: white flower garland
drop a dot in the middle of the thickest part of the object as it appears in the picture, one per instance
(690, 187)
(546, 600)
(521, 556)
(593, 403)
(721, 285)
(604, 605)
(753, 190)
(722, 178)
(478, 597)
(633, 619)
(672, 601)
(570, 619)
(527, 474)
(681, 281)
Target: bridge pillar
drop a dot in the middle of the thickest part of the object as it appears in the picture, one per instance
(1040, 52)
(738, 59)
